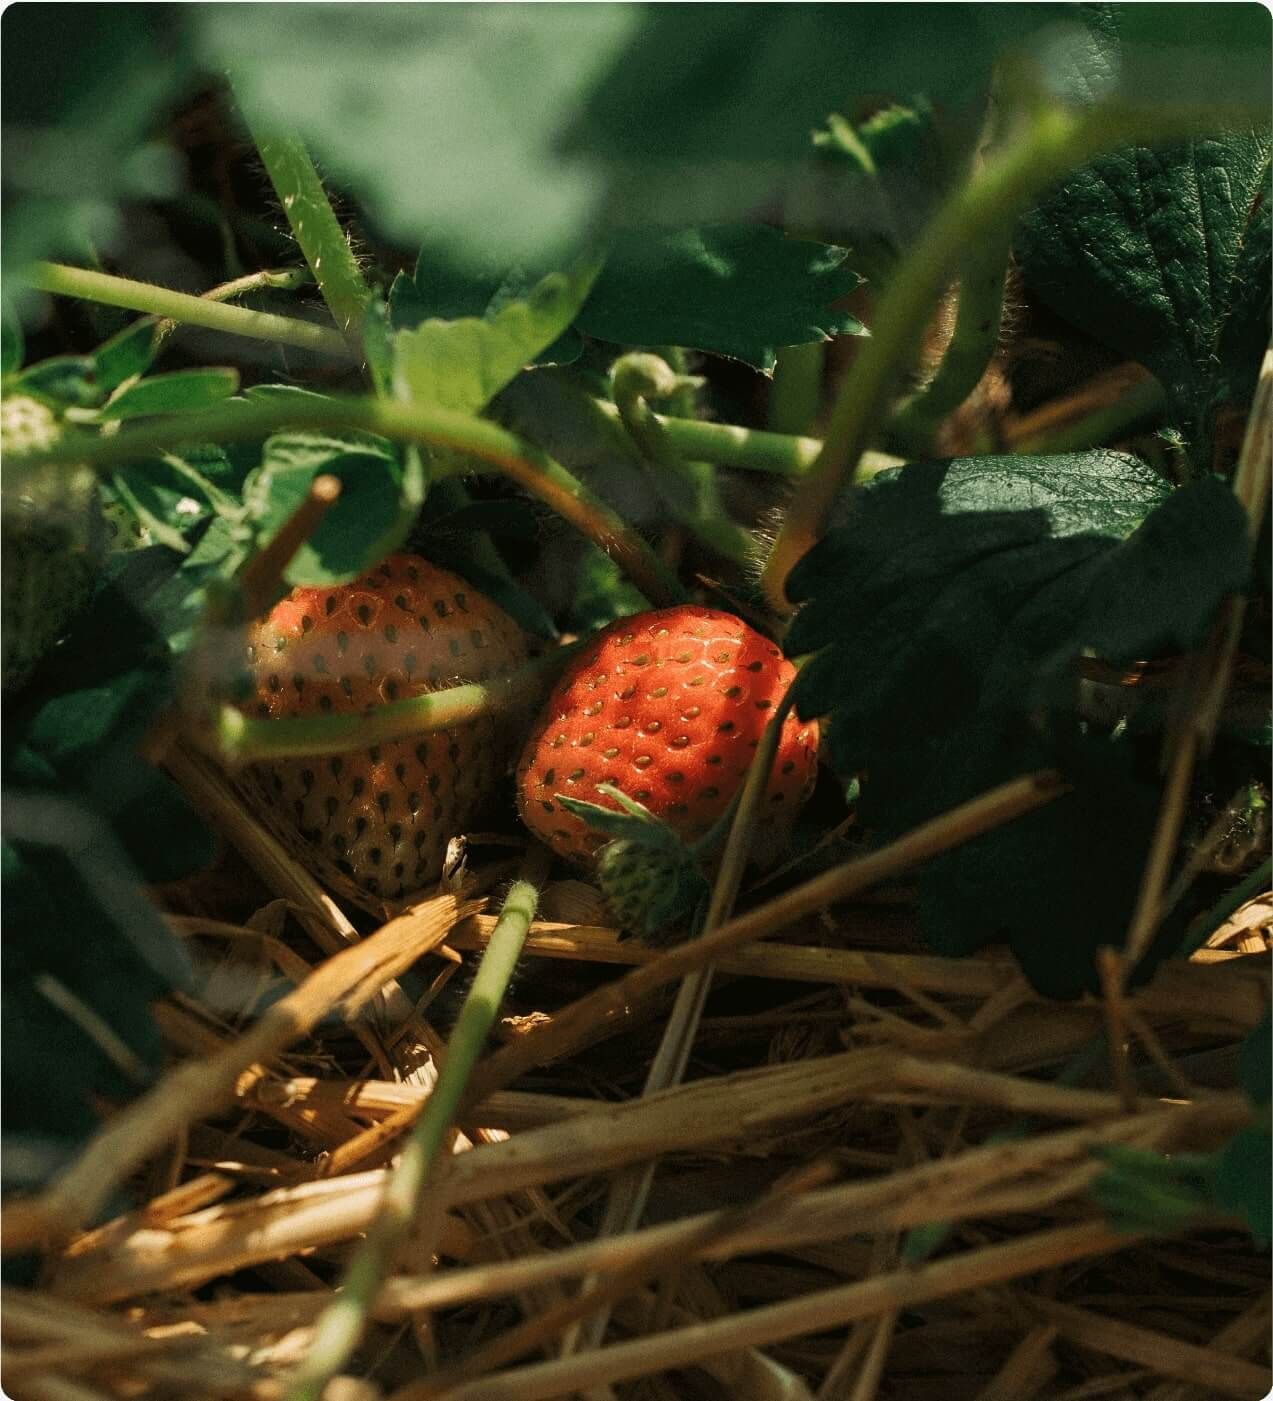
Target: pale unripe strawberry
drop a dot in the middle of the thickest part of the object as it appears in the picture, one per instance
(380, 819)
(53, 540)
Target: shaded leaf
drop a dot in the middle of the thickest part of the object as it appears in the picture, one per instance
(739, 290)
(1161, 590)
(947, 613)
(585, 117)
(378, 502)
(1147, 250)
(182, 391)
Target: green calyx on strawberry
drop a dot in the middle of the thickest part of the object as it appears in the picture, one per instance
(652, 882)
(53, 540)
(376, 823)
(665, 709)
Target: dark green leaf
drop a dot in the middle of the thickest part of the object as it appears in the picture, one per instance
(378, 501)
(1161, 590)
(10, 346)
(1257, 1062)
(175, 607)
(949, 589)
(82, 86)
(1144, 1191)
(66, 380)
(1146, 251)
(884, 178)
(182, 391)
(1243, 1177)
(603, 593)
(581, 115)
(738, 290)
(127, 354)
(1147, 54)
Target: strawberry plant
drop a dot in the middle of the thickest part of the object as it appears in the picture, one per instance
(830, 445)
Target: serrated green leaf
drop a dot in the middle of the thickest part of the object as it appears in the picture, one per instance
(1146, 252)
(463, 364)
(175, 607)
(738, 290)
(181, 391)
(1161, 590)
(1153, 53)
(935, 608)
(378, 502)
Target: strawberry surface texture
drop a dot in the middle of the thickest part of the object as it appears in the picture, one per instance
(383, 817)
(669, 707)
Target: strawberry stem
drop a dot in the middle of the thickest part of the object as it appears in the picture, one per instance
(317, 230)
(64, 281)
(680, 482)
(242, 739)
(340, 1326)
(1057, 142)
(501, 451)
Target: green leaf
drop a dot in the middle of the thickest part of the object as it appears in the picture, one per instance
(127, 354)
(378, 502)
(1147, 252)
(1145, 1191)
(1147, 54)
(1257, 1062)
(87, 823)
(1162, 589)
(884, 179)
(463, 364)
(65, 380)
(175, 607)
(935, 608)
(739, 290)
(1243, 1176)
(182, 391)
(10, 346)
(585, 116)
(82, 87)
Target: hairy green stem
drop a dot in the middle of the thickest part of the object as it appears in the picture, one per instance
(527, 465)
(64, 281)
(243, 739)
(967, 356)
(984, 210)
(285, 280)
(340, 1326)
(729, 445)
(317, 230)
(635, 378)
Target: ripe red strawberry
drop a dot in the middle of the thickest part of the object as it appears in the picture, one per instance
(668, 707)
(382, 817)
